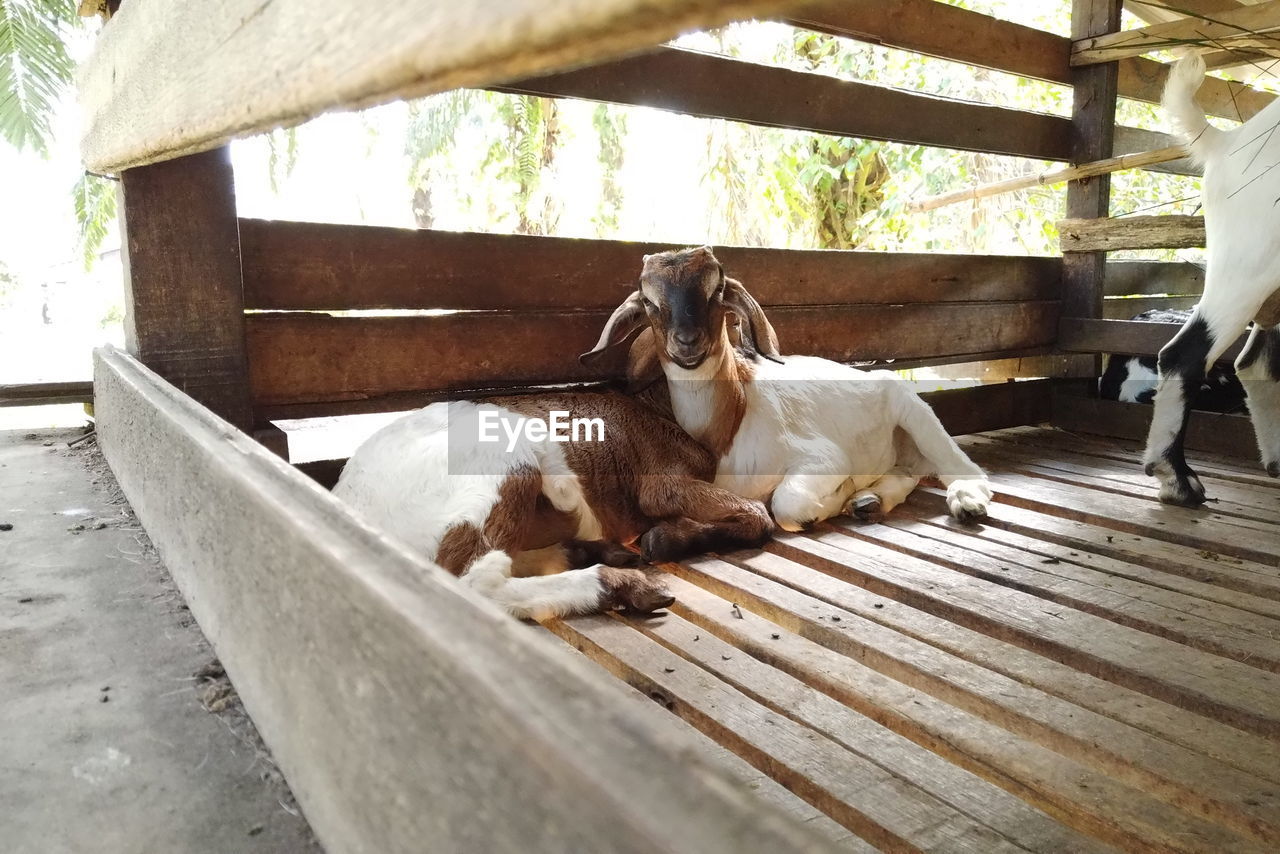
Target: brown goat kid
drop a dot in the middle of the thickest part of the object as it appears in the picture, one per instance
(813, 437)
(529, 507)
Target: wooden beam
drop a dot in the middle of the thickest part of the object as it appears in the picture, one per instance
(310, 266)
(712, 86)
(1130, 232)
(949, 32)
(993, 406)
(1252, 26)
(1092, 137)
(234, 68)
(1088, 335)
(46, 394)
(301, 358)
(1123, 278)
(448, 702)
(184, 306)
(1209, 432)
(1055, 176)
(1125, 308)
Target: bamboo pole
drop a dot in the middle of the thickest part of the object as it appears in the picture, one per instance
(1054, 176)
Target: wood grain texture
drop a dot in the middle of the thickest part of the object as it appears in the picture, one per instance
(1251, 26)
(1123, 278)
(1129, 307)
(1174, 231)
(949, 32)
(1085, 335)
(1221, 434)
(450, 713)
(311, 266)
(233, 68)
(717, 87)
(301, 357)
(184, 303)
(45, 394)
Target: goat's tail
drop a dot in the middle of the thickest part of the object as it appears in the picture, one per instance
(1179, 104)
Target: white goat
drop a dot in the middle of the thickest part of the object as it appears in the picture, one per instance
(472, 506)
(1241, 199)
(814, 437)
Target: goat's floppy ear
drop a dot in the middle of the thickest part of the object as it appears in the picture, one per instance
(644, 368)
(625, 320)
(756, 329)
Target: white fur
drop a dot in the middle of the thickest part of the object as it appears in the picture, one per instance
(1139, 378)
(816, 432)
(1242, 223)
(405, 480)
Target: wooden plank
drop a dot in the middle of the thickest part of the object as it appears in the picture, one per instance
(1087, 335)
(1220, 434)
(184, 308)
(1174, 231)
(1125, 308)
(235, 68)
(950, 32)
(309, 266)
(1160, 565)
(450, 704)
(1093, 118)
(1252, 26)
(958, 707)
(46, 394)
(310, 357)
(1226, 690)
(870, 800)
(712, 86)
(969, 410)
(1152, 277)
(1228, 632)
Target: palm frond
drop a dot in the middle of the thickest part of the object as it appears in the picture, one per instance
(95, 204)
(35, 68)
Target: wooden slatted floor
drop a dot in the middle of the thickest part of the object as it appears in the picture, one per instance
(1089, 670)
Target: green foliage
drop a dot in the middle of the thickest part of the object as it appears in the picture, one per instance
(35, 68)
(282, 155)
(95, 204)
(610, 125)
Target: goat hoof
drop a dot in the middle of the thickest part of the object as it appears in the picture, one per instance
(865, 508)
(1273, 468)
(1150, 468)
(633, 590)
(661, 545)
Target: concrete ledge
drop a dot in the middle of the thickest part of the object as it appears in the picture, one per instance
(406, 714)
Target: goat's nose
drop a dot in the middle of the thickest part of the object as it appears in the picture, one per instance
(688, 339)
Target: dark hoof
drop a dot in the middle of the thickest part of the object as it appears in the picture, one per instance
(1273, 468)
(867, 509)
(634, 590)
(661, 545)
(1150, 469)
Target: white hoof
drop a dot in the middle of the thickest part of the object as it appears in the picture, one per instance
(968, 499)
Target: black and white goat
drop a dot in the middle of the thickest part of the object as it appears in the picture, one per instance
(1242, 284)
(813, 437)
(1133, 379)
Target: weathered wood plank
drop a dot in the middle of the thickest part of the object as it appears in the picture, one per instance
(1088, 335)
(44, 394)
(950, 32)
(309, 266)
(1252, 26)
(1174, 231)
(1123, 278)
(1126, 308)
(315, 357)
(1238, 635)
(1226, 690)
(240, 67)
(184, 308)
(717, 87)
(869, 799)
(884, 660)
(449, 703)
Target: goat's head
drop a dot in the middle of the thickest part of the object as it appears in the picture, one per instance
(690, 306)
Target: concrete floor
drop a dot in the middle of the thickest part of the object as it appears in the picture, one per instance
(118, 732)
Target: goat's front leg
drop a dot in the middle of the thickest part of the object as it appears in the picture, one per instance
(1258, 367)
(1182, 366)
(807, 495)
(698, 517)
(873, 502)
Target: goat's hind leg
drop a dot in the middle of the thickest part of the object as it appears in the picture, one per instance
(1258, 368)
(1182, 364)
(698, 517)
(873, 502)
(925, 448)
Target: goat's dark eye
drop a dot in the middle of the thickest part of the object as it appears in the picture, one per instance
(648, 305)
